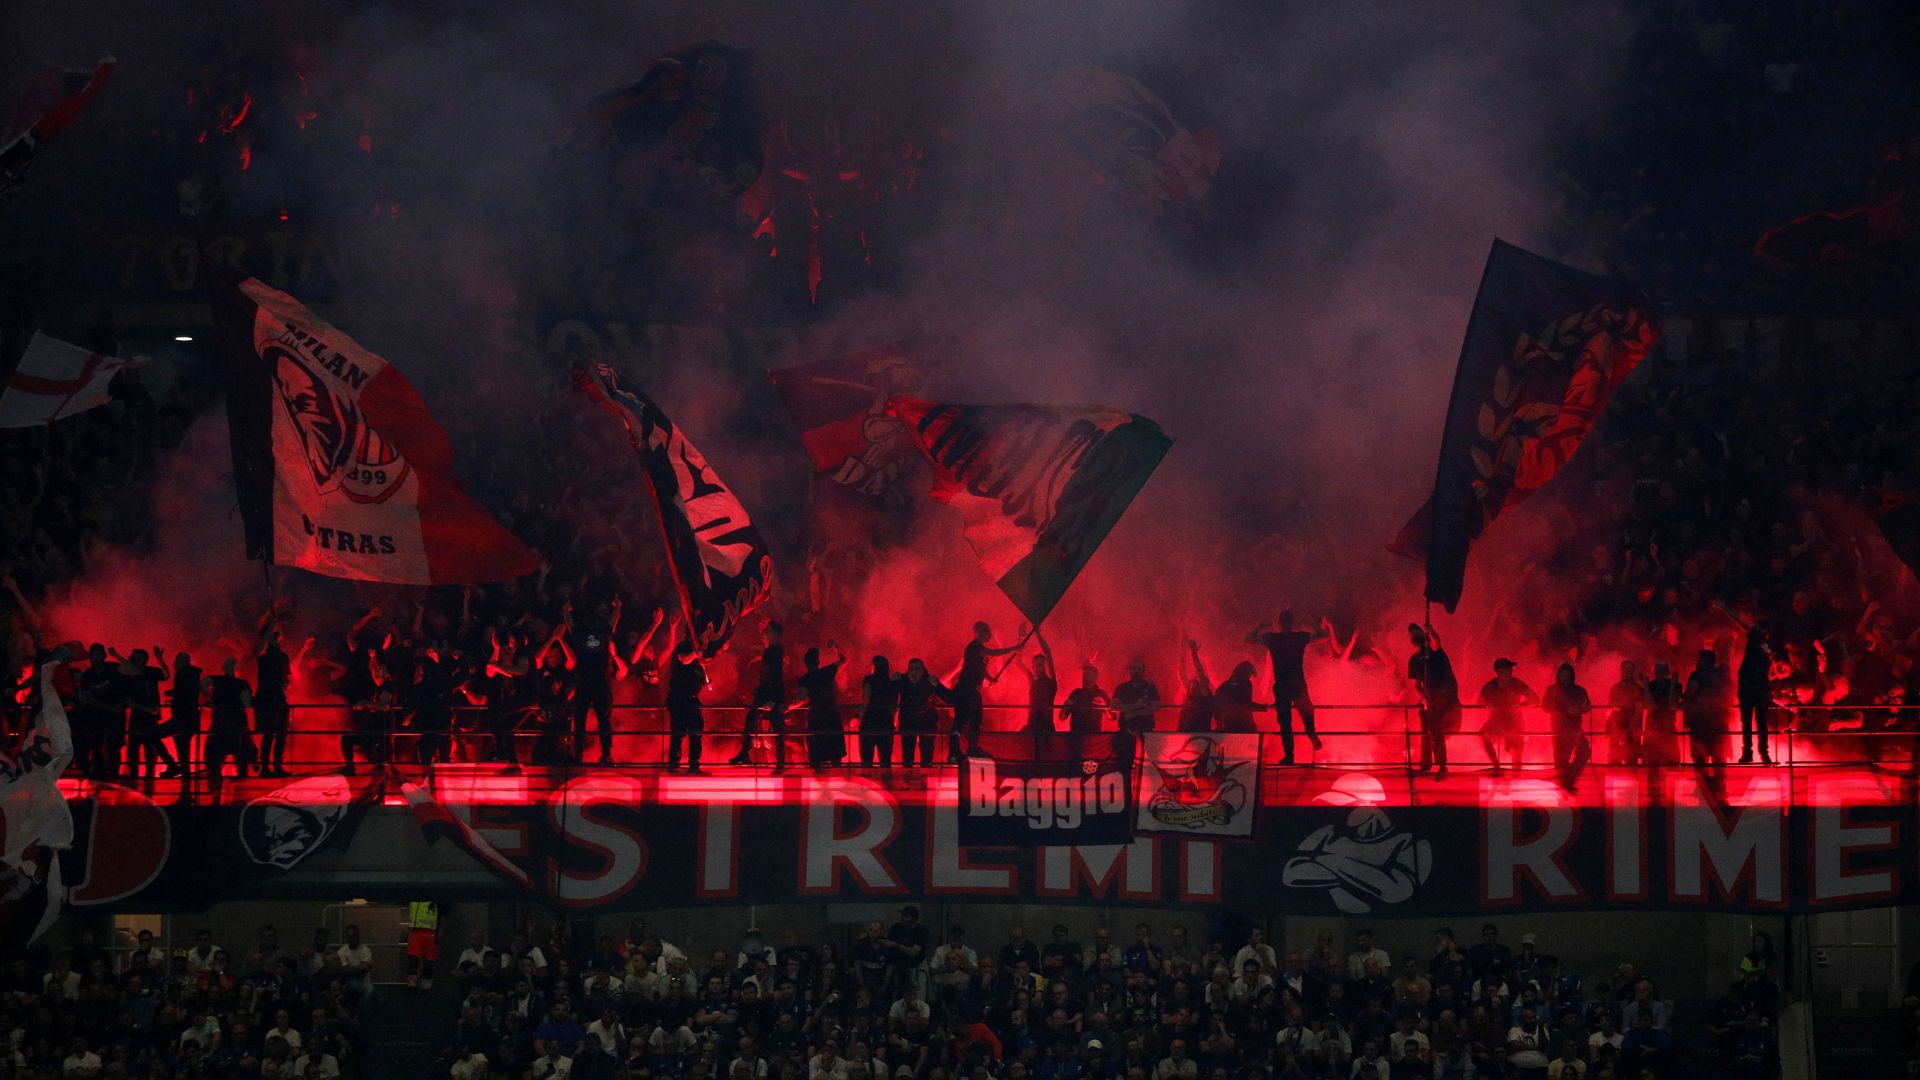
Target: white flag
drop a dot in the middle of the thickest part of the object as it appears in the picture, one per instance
(35, 822)
(56, 380)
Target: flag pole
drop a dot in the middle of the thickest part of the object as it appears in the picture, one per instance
(1012, 656)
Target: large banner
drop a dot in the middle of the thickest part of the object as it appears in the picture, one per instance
(608, 840)
(1058, 792)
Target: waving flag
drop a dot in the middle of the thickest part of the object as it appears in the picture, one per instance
(53, 102)
(840, 405)
(340, 469)
(55, 380)
(1545, 348)
(1834, 236)
(35, 823)
(718, 558)
(1038, 487)
(694, 117)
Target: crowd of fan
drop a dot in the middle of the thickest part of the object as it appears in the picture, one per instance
(906, 1002)
(193, 1013)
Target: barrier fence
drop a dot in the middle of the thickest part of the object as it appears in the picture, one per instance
(1380, 739)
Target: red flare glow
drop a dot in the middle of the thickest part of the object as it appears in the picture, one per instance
(228, 125)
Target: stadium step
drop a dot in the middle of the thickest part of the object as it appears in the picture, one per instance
(407, 1031)
(1857, 1046)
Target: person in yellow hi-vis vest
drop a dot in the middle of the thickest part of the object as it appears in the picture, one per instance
(423, 942)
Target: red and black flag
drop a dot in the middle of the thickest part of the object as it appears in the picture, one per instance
(1131, 139)
(1827, 237)
(1545, 348)
(840, 406)
(693, 119)
(1897, 512)
(339, 467)
(52, 102)
(1037, 486)
(718, 558)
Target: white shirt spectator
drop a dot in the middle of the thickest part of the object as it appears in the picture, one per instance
(1600, 1038)
(69, 983)
(201, 961)
(904, 1008)
(825, 1066)
(291, 1035)
(471, 1067)
(204, 1033)
(613, 1037)
(1261, 954)
(756, 1067)
(82, 1066)
(1241, 990)
(1400, 1038)
(1301, 1039)
(1381, 1067)
(323, 1066)
(1532, 1052)
(681, 1041)
(470, 955)
(354, 956)
(1169, 1069)
(555, 1068)
(1357, 962)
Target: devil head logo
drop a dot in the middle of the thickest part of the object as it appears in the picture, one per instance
(1199, 787)
(1365, 860)
(283, 827)
(343, 453)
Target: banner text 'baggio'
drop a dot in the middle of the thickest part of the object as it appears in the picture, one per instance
(1035, 792)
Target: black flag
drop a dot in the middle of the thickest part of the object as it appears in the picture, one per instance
(717, 556)
(1545, 348)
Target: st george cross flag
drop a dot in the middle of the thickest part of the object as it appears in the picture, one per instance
(52, 103)
(1038, 487)
(55, 380)
(35, 822)
(1545, 347)
(339, 467)
(718, 558)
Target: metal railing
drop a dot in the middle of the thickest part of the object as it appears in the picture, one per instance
(1382, 739)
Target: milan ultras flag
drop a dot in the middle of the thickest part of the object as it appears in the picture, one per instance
(1545, 348)
(340, 469)
(1037, 486)
(840, 406)
(1047, 791)
(52, 103)
(694, 117)
(35, 823)
(55, 380)
(718, 558)
(1198, 784)
(1830, 236)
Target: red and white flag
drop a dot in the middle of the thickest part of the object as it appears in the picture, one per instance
(35, 822)
(56, 380)
(339, 467)
(53, 101)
